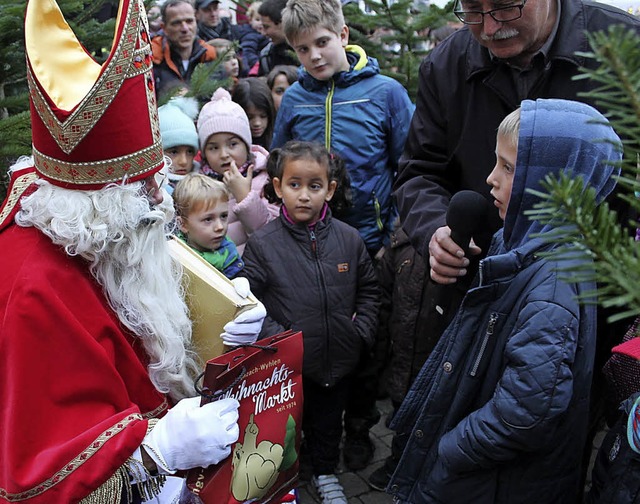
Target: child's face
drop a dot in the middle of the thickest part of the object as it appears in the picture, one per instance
(181, 159)
(258, 121)
(321, 52)
(256, 23)
(231, 65)
(206, 225)
(280, 85)
(303, 189)
(272, 30)
(222, 149)
(501, 178)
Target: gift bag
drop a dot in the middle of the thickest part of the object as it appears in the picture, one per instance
(266, 378)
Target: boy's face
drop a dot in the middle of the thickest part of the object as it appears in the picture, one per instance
(321, 51)
(272, 30)
(206, 225)
(303, 189)
(501, 177)
(181, 159)
(222, 149)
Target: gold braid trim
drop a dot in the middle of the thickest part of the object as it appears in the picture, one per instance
(151, 415)
(99, 172)
(75, 464)
(110, 491)
(17, 188)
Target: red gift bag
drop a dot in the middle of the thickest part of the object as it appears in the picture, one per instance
(266, 379)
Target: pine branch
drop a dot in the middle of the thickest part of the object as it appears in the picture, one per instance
(582, 228)
(581, 225)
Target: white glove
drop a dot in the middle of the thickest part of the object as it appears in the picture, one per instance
(191, 436)
(245, 328)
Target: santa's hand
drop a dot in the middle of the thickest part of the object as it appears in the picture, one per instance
(191, 436)
(245, 328)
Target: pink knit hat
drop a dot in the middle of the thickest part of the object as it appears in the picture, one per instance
(221, 115)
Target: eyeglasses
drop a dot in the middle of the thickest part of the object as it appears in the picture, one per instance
(501, 14)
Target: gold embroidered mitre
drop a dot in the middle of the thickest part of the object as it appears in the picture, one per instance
(91, 124)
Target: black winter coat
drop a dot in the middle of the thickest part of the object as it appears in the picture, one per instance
(321, 282)
(405, 301)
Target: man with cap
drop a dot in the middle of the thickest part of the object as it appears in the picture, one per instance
(210, 24)
(96, 367)
(178, 51)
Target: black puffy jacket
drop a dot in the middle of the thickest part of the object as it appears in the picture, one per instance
(320, 281)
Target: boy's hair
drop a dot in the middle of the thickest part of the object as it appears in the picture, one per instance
(272, 9)
(172, 3)
(196, 189)
(252, 10)
(304, 15)
(314, 151)
(510, 127)
(254, 91)
(289, 71)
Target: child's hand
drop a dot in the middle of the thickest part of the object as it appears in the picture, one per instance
(238, 184)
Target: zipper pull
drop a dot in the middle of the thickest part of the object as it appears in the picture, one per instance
(312, 237)
(492, 322)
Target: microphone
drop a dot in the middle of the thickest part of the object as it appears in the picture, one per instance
(466, 216)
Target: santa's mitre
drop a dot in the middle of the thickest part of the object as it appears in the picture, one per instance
(92, 124)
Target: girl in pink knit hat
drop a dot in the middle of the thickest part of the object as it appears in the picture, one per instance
(225, 141)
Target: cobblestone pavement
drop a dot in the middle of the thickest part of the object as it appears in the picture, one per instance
(355, 483)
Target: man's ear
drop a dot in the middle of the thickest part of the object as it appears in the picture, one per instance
(332, 190)
(277, 187)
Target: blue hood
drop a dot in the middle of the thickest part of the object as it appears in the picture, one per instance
(558, 136)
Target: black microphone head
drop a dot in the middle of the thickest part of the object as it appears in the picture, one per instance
(467, 216)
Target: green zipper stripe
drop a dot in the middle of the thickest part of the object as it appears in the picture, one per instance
(327, 123)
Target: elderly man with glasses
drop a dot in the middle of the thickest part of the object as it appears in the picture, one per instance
(507, 51)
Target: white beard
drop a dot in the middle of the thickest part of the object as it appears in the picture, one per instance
(124, 242)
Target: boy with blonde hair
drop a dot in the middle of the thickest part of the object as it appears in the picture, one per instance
(340, 96)
(202, 211)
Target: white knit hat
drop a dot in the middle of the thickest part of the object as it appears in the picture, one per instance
(222, 115)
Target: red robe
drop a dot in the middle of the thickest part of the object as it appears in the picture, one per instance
(74, 386)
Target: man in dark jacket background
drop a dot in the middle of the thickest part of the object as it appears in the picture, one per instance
(210, 24)
(277, 52)
(179, 50)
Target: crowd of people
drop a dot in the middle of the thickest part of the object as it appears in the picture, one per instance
(315, 179)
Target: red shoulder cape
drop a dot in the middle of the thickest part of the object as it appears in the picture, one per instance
(75, 390)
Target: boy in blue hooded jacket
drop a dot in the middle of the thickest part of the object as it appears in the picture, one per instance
(499, 412)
